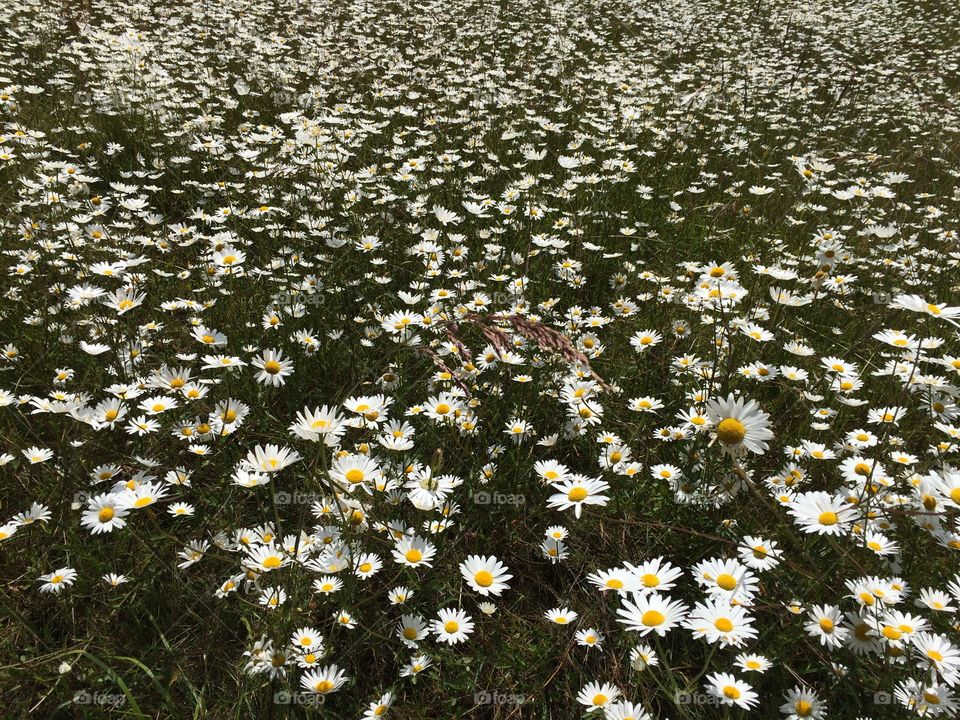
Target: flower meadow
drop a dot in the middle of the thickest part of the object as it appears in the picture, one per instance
(510, 359)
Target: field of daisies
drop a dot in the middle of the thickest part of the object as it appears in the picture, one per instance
(461, 359)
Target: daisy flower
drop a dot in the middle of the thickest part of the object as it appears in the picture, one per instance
(642, 657)
(750, 662)
(656, 575)
(577, 492)
(485, 575)
(651, 613)
(817, 512)
(453, 626)
(56, 581)
(273, 367)
(560, 616)
(825, 623)
(414, 552)
(731, 691)
(411, 629)
(596, 696)
(802, 703)
(718, 621)
(739, 424)
(102, 514)
(589, 638)
(324, 680)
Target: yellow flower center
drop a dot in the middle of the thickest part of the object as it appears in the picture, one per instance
(483, 578)
(731, 431)
(577, 494)
(650, 580)
(727, 581)
(652, 618)
(723, 625)
(891, 633)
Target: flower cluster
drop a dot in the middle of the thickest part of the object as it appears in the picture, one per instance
(604, 356)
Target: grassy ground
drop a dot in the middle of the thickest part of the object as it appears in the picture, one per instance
(619, 152)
